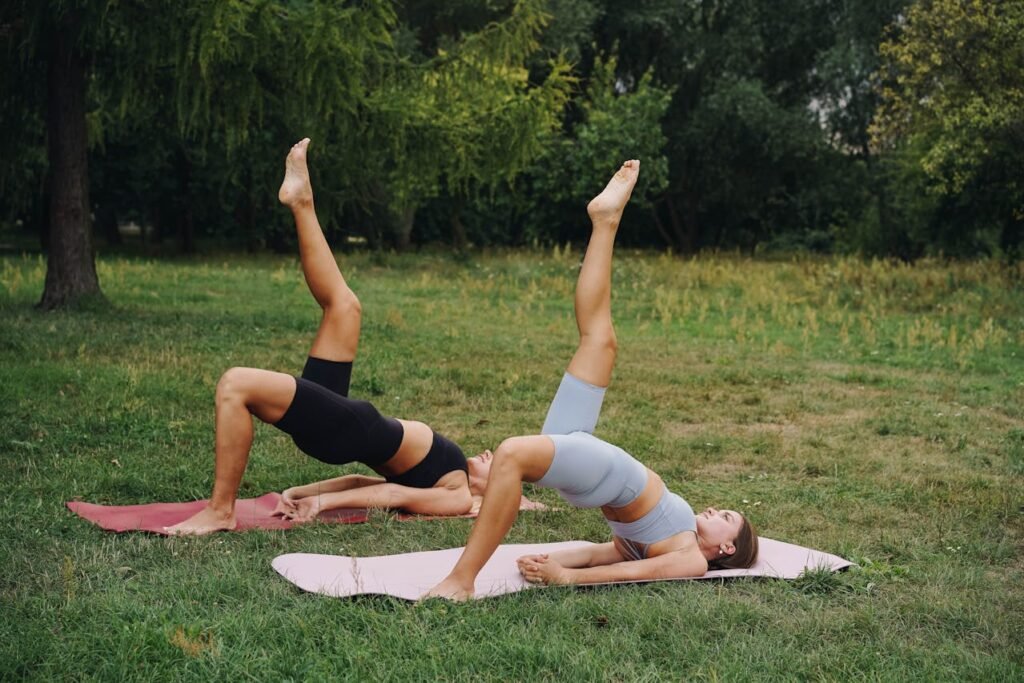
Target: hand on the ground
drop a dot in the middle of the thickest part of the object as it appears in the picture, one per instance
(285, 504)
(529, 560)
(541, 569)
(304, 510)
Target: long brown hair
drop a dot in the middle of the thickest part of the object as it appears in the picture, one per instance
(746, 550)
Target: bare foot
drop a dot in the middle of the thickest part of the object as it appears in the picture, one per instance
(206, 521)
(450, 589)
(606, 208)
(295, 188)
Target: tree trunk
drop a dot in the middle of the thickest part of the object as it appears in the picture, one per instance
(661, 228)
(403, 221)
(70, 265)
(683, 227)
(459, 238)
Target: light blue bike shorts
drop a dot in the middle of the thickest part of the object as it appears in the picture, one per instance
(587, 471)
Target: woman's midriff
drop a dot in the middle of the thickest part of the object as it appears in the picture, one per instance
(417, 438)
(644, 503)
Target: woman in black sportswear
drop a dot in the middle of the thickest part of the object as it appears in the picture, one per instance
(420, 470)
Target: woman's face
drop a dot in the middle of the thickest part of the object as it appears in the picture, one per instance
(719, 528)
(479, 470)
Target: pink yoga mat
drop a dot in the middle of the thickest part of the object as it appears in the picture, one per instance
(410, 575)
(252, 513)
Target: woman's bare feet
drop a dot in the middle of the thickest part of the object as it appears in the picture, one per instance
(606, 208)
(206, 521)
(295, 188)
(450, 589)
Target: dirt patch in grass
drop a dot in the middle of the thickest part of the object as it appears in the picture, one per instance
(787, 428)
(997, 415)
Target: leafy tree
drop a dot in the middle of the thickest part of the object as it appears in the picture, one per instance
(207, 69)
(874, 203)
(461, 119)
(954, 86)
(613, 125)
(45, 45)
(742, 140)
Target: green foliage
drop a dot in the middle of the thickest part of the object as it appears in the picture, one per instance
(492, 122)
(955, 85)
(618, 123)
(956, 68)
(215, 91)
(466, 117)
(747, 157)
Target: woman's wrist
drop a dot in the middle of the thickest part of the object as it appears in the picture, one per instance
(296, 492)
(567, 577)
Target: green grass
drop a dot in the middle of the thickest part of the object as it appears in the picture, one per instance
(874, 410)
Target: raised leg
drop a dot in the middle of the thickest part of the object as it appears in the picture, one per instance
(338, 336)
(595, 355)
(241, 393)
(528, 458)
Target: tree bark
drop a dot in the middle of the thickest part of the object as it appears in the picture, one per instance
(403, 220)
(70, 265)
(459, 238)
(662, 230)
(683, 227)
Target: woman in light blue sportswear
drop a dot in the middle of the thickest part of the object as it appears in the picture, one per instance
(656, 534)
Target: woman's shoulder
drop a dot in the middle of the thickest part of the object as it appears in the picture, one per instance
(687, 560)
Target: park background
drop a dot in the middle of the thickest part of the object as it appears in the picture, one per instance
(818, 299)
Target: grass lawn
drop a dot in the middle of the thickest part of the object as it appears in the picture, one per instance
(873, 410)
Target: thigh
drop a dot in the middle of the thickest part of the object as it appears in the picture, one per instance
(532, 455)
(267, 394)
(579, 465)
(589, 472)
(594, 359)
(337, 338)
(575, 408)
(332, 375)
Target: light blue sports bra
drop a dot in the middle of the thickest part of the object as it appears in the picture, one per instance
(672, 515)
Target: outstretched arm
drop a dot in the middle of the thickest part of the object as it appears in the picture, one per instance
(291, 496)
(433, 501)
(587, 556)
(674, 565)
(345, 483)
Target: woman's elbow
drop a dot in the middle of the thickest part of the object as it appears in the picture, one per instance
(462, 502)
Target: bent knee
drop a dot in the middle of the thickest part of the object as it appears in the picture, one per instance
(229, 382)
(604, 341)
(516, 454)
(344, 305)
(236, 383)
